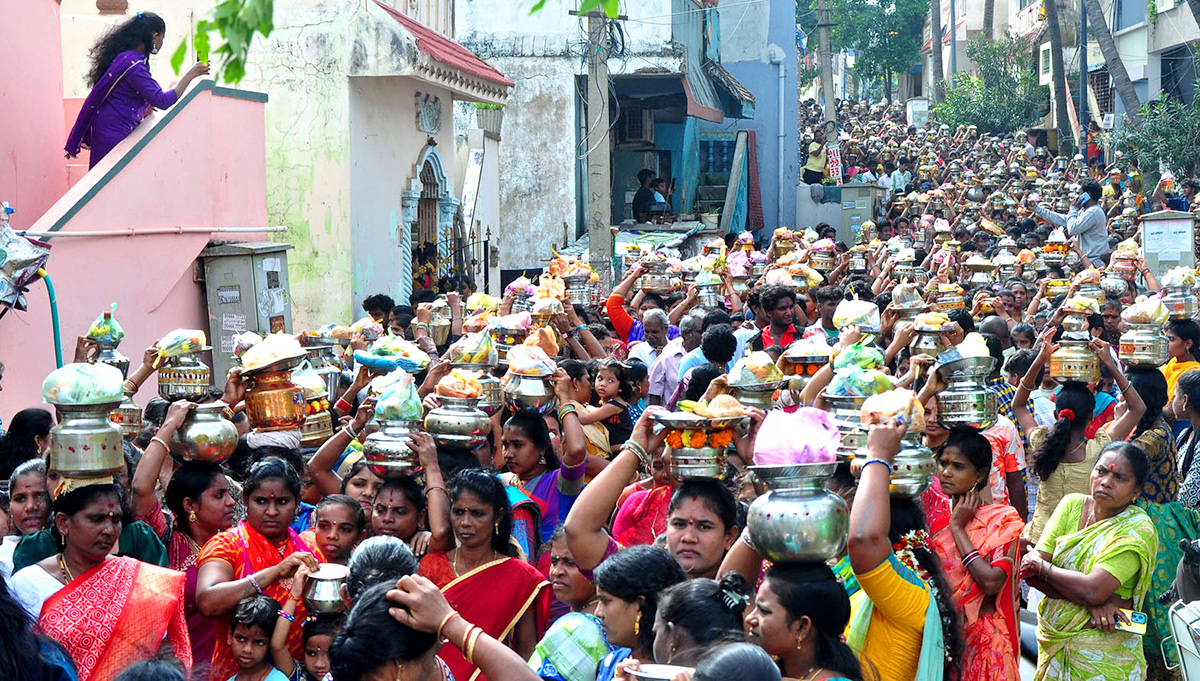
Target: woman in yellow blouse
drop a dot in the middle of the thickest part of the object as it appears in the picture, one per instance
(908, 629)
(1183, 345)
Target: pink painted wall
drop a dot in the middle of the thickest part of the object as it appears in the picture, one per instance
(206, 167)
(32, 170)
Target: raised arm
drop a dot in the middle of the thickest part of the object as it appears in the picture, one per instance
(322, 463)
(437, 499)
(871, 516)
(148, 469)
(1135, 407)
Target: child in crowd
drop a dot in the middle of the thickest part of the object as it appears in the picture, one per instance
(340, 525)
(319, 632)
(615, 390)
(249, 639)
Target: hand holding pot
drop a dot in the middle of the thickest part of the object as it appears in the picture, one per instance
(176, 414)
(298, 580)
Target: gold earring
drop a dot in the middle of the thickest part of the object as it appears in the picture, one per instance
(191, 516)
(637, 625)
(799, 640)
(496, 527)
(542, 459)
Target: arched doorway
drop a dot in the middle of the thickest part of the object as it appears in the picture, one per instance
(428, 212)
(425, 230)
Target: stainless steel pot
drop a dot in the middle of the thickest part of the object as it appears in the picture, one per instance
(658, 283)
(847, 417)
(913, 467)
(185, 377)
(386, 450)
(106, 353)
(458, 423)
(323, 590)
(1180, 302)
(1144, 345)
(708, 295)
(85, 443)
(798, 520)
(966, 401)
(127, 416)
(206, 435)
(577, 289)
(759, 395)
(528, 394)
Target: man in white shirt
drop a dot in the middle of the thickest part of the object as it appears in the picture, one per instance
(664, 374)
(655, 323)
(902, 176)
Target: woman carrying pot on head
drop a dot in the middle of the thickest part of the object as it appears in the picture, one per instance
(1153, 436)
(28, 509)
(1094, 559)
(1185, 405)
(692, 617)
(979, 553)
(1183, 346)
(106, 611)
(123, 90)
(628, 584)
(201, 505)
(907, 629)
(258, 555)
(575, 643)
(1062, 455)
(534, 467)
(403, 509)
(484, 558)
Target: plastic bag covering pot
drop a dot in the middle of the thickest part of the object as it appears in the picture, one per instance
(20, 259)
(398, 399)
(894, 403)
(542, 338)
(856, 382)
(460, 383)
(181, 342)
(307, 378)
(1148, 311)
(755, 368)
(83, 384)
(858, 355)
(106, 329)
(860, 312)
(475, 348)
(273, 348)
(530, 361)
(777, 443)
(244, 341)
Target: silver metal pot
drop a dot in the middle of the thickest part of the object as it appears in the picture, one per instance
(708, 295)
(1144, 345)
(847, 417)
(657, 282)
(107, 354)
(185, 377)
(528, 394)
(913, 467)
(577, 289)
(206, 435)
(458, 423)
(323, 357)
(966, 401)
(323, 589)
(504, 339)
(128, 416)
(386, 450)
(85, 443)
(758, 395)
(1180, 302)
(798, 520)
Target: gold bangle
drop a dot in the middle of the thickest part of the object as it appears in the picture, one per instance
(161, 441)
(1027, 388)
(445, 619)
(470, 651)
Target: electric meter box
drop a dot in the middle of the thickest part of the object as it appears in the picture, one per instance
(246, 286)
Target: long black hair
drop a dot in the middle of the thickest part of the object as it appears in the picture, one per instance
(1188, 330)
(708, 610)
(378, 560)
(487, 488)
(639, 573)
(736, 661)
(1074, 406)
(908, 517)
(811, 590)
(372, 638)
(189, 481)
(23, 653)
(135, 31)
(18, 444)
(1151, 386)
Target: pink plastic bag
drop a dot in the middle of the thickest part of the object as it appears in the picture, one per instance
(804, 436)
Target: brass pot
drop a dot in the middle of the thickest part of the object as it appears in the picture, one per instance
(127, 416)
(823, 261)
(274, 402)
(85, 443)
(1074, 361)
(1057, 287)
(206, 435)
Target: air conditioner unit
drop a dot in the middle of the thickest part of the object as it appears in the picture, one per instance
(637, 127)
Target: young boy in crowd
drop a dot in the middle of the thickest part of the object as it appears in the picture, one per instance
(249, 638)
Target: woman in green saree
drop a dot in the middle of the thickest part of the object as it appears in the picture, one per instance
(1094, 558)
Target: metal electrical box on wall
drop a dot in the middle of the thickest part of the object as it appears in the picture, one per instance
(246, 285)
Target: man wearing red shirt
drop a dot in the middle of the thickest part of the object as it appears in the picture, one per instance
(778, 304)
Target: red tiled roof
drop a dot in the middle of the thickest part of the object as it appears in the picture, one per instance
(445, 50)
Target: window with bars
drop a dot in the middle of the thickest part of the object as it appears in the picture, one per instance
(1102, 87)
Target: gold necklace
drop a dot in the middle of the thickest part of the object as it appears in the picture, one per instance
(811, 673)
(455, 561)
(66, 571)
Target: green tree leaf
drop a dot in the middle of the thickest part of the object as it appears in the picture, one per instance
(178, 55)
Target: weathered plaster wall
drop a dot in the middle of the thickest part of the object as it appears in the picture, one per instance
(32, 172)
(385, 146)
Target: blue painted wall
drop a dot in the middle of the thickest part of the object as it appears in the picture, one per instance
(761, 78)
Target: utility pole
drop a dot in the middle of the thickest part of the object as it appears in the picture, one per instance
(1083, 81)
(954, 42)
(599, 171)
(826, 59)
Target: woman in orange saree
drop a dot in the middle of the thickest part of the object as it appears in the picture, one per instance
(258, 555)
(978, 550)
(503, 595)
(106, 611)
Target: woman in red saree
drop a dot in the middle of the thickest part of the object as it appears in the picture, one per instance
(503, 595)
(258, 555)
(106, 611)
(978, 550)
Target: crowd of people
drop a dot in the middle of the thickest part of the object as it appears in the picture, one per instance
(568, 547)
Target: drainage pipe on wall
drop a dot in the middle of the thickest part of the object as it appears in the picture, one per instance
(776, 54)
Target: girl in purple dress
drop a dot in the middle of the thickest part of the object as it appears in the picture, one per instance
(123, 90)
